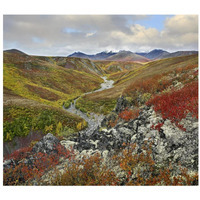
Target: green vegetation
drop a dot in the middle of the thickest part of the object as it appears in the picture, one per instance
(18, 121)
(102, 106)
(54, 81)
(48, 83)
(35, 88)
(111, 67)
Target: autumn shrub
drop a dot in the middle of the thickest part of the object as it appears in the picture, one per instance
(26, 170)
(19, 154)
(141, 169)
(112, 123)
(19, 121)
(176, 104)
(137, 169)
(104, 106)
(142, 89)
(88, 171)
(129, 114)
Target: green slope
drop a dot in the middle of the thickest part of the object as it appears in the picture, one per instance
(35, 89)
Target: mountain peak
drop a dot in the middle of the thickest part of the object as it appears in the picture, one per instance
(16, 51)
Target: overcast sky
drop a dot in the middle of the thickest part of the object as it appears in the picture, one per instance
(61, 35)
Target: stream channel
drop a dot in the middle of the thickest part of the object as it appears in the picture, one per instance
(93, 120)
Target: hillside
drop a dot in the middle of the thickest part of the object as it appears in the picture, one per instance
(111, 67)
(35, 88)
(73, 63)
(126, 82)
(15, 51)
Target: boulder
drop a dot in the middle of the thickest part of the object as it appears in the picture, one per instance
(46, 145)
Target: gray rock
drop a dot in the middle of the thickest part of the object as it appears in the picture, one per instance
(7, 164)
(46, 145)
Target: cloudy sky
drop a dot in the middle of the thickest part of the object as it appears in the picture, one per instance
(61, 35)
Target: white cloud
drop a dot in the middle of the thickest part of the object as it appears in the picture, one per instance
(90, 34)
(181, 24)
(94, 33)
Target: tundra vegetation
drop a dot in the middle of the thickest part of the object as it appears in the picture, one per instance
(36, 88)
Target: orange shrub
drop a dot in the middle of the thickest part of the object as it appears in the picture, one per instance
(129, 114)
(86, 172)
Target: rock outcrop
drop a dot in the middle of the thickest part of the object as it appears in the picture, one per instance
(46, 145)
(170, 145)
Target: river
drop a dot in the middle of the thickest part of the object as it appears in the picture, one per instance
(93, 120)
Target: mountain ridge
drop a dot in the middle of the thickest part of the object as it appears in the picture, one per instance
(155, 54)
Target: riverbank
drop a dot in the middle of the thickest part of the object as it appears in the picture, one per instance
(93, 120)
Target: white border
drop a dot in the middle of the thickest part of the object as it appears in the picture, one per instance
(96, 7)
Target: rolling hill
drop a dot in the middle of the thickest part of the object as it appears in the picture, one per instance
(150, 75)
(35, 88)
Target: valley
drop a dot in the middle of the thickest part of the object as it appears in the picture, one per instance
(128, 116)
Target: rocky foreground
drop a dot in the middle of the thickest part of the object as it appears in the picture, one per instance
(168, 144)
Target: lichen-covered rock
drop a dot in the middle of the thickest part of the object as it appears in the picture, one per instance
(46, 145)
(170, 144)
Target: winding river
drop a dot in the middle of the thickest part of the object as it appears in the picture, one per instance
(93, 120)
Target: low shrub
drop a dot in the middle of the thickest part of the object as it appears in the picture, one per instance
(129, 114)
(175, 105)
(24, 172)
(89, 171)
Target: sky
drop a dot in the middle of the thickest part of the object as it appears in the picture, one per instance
(61, 35)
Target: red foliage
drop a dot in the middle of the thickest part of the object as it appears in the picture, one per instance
(129, 114)
(157, 127)
(19, 154)
(177, 104)
(41, 163)
(151, 84)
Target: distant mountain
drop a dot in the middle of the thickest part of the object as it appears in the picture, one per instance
(15, 51)
(157, 54)
(79, 55)
(127, 56)
(99, 56)
(141, 54)
(178, 54)
(103, 55)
